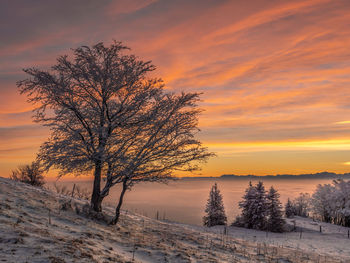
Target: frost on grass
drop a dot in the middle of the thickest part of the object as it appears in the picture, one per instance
(34, 229)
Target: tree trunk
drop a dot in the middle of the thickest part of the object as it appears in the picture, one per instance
(96, 199)
(117, 210)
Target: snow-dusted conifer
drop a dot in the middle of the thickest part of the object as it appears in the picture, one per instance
(247, 215)
(275, 222)
(215, 209)
(259, 207)
(289, 209)
(254, 208)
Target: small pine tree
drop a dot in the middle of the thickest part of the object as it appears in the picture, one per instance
(215, 209)
(289, 209)
(275, 222)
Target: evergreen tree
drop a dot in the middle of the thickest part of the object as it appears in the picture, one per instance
(289, 209)
(215, 209)
(275, 222)
(259, 208)
(247, 215)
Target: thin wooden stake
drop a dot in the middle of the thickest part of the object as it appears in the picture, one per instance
(49, 216)
(73, 190)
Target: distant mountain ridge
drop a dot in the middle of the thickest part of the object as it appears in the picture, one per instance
(320, 175)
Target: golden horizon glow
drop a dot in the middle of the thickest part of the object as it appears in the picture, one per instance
(343, 122)
(283, 145)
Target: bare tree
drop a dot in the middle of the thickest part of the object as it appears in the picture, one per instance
(302, 204)
(107, 117)
(84, 101)
(30, 173)
(163, 144)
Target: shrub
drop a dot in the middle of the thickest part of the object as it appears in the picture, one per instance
(30, 174)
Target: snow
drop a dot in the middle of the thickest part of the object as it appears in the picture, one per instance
(30, 233)
(333, 242)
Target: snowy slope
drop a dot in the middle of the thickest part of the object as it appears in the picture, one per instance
(34, 229)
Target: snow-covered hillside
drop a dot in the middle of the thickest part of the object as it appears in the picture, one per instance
(34, 229)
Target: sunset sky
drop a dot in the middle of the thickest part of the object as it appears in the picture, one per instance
(275, 75)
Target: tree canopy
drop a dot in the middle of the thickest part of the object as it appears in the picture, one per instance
(107, 116)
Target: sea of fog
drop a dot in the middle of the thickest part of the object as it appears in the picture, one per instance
(184, 200)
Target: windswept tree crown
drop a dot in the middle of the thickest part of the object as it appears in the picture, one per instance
(106, 114)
